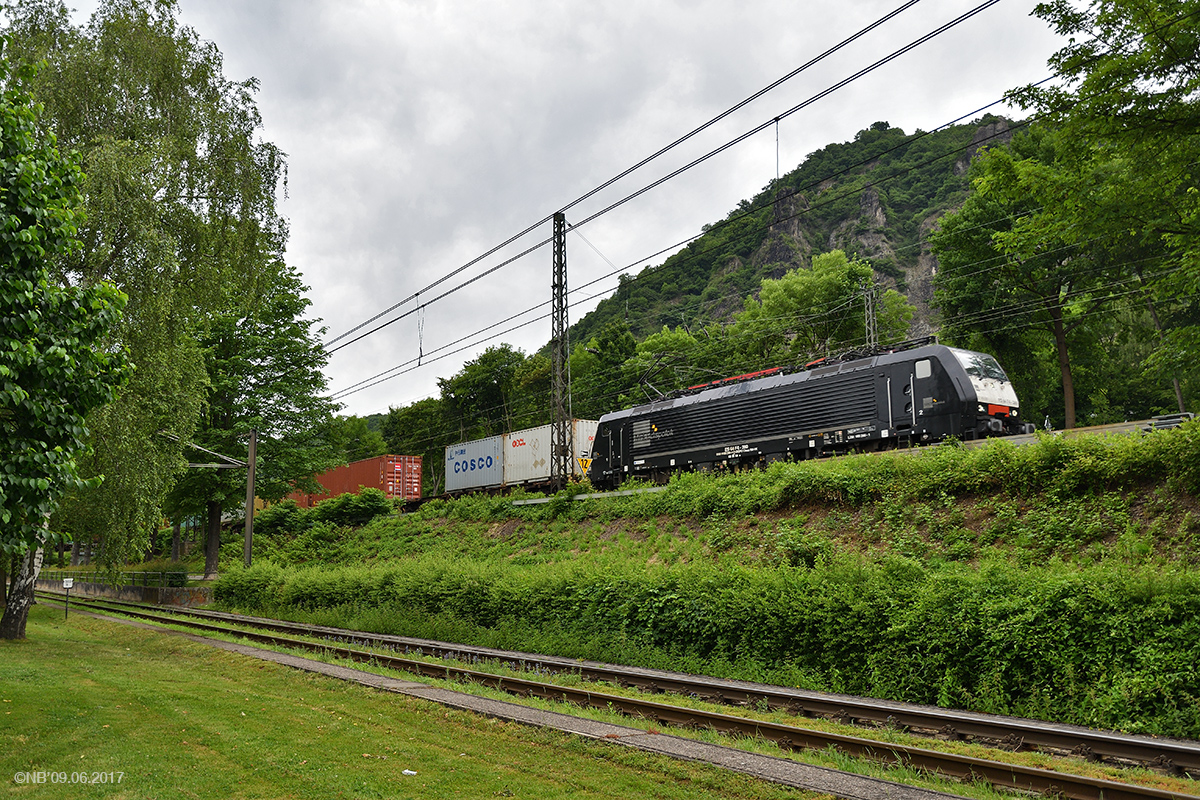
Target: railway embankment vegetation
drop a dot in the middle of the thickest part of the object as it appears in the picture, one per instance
(1057, 580)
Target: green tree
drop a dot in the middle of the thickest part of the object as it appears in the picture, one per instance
(596, 373)
(56, 360)
(999, 272)
(814, 312)
(480, 398)
(1129, 125)
(266, 372)
(355, 440)
(662, 363)
(180, 215)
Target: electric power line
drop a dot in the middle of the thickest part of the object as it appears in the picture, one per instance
(841, 84)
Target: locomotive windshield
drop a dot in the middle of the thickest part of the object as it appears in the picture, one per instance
(987, 378)
(979, 365)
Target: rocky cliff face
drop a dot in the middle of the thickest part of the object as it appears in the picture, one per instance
(870, 233)
(877, 198)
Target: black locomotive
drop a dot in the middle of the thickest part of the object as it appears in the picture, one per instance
(914, 395)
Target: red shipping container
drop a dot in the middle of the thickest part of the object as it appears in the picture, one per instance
(395, 476)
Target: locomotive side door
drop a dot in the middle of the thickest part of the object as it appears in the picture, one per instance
(613, 442)
(902, 407)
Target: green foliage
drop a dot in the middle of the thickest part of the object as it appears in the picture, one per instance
(289, 534)
(1004, 280)
(282, 519)
(479, 399)
(1125, 117)
(805, 313)
(180, 215)
(1106, 646)
(54, 365)
(355, 439)
(353, 509)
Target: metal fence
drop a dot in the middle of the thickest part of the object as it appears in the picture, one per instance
(105, 578)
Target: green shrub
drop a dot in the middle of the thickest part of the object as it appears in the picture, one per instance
(353, 509)
(282, 519)
(254, 588)
(1115, 646)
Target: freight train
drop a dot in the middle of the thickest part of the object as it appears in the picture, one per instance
(906, 395)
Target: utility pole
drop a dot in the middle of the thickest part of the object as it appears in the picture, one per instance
(560, 431)
(872, 328)
(250, 495)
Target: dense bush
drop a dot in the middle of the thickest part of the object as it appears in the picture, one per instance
(353, 509)
(284, 518)
(1102, 645)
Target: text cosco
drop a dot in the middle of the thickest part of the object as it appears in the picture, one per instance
(473, 464)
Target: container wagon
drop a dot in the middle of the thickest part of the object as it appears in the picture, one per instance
(398, 477)
(520, 458)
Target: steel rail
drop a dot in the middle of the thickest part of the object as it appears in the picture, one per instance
(789, 737)
(1173, 755)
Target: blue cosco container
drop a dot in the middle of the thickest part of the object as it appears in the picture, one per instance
(475, 465)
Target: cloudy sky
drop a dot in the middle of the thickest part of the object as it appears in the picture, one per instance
(422, 133)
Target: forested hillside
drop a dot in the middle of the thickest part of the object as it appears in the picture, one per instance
(876, 197)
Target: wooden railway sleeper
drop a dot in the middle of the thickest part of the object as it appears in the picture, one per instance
(1013, 742)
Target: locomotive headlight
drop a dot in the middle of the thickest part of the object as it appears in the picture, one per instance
(1012, 413)
(982, 409)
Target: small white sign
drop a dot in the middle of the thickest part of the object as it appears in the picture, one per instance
(68, 583)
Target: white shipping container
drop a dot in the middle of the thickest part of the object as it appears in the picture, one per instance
(585, 442)
(527, 455)
(475, 465)
(527, 452)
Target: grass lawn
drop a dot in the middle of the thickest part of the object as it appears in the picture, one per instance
(88, 697)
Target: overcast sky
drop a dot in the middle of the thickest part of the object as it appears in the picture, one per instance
(420, 134)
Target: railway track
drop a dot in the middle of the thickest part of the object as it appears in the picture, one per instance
(1174, 755)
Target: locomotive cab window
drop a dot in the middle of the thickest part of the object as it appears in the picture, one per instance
(923, 368)
(979, 365)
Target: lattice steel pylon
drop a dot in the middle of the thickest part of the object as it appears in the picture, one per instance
(561, 456)
(871, 313)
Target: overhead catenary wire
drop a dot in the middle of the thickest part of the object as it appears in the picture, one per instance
(732, 219)
(662, 151)
(601, 254)
(678, 245)
(345, 392)
(841, 84)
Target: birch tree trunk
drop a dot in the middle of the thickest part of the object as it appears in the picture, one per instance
(20, 599)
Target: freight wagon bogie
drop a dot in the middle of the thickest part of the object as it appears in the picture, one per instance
(894, 399)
